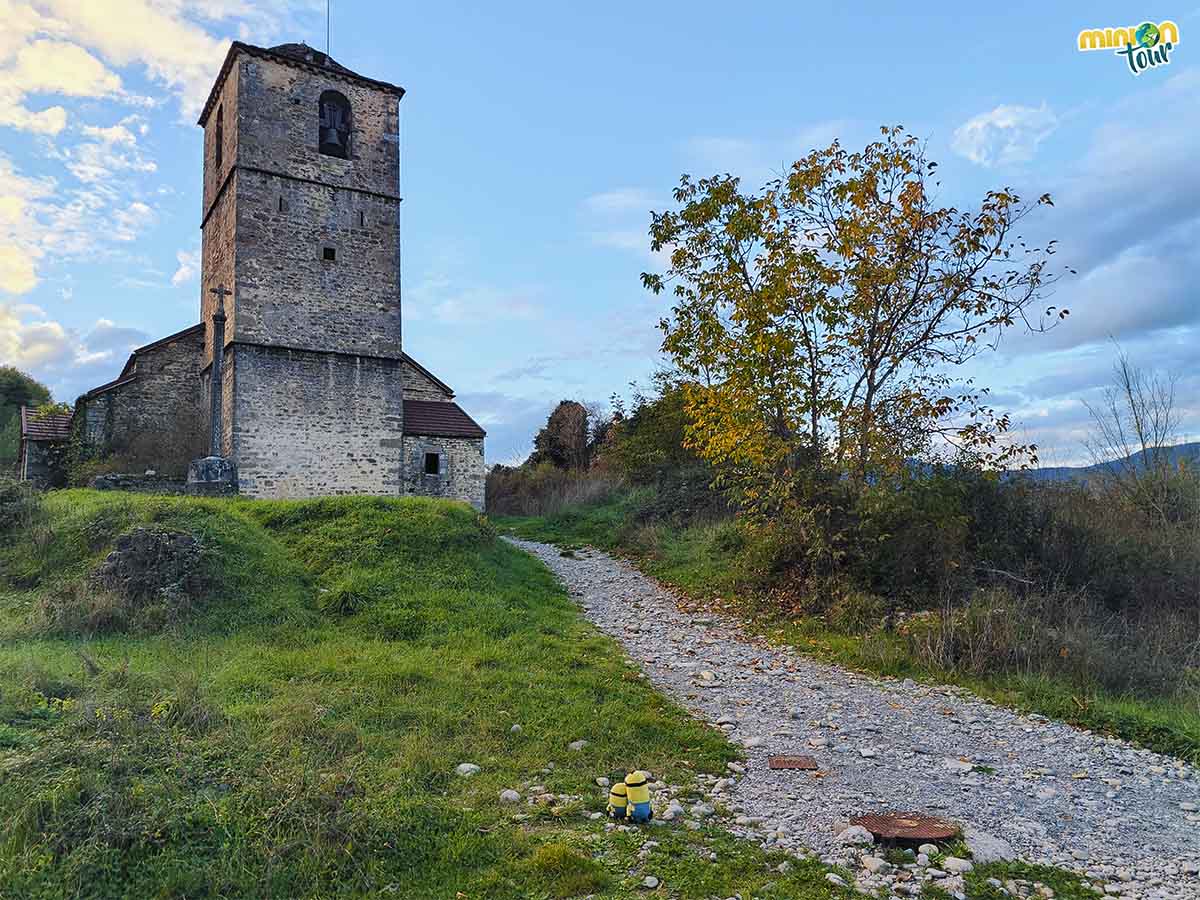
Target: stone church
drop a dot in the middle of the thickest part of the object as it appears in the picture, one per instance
(301, 273)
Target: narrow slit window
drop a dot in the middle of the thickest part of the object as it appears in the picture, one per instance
(362, 218)
(329, 254)
(219, 137)
(433, 463)
(281, 205)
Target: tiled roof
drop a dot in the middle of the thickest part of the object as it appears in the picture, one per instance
(54, 427)
(437, 418)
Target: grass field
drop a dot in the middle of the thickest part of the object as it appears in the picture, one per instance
(295, 731)
(694, 560)
(295, 734)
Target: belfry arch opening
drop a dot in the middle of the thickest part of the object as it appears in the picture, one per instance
(333, 136)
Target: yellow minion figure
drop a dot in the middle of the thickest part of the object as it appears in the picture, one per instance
(639, 797)
(618, 802)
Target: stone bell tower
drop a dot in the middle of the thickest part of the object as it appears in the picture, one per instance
(301, 223)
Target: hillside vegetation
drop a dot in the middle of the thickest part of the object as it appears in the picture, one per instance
(291, 728)
(1078, 601)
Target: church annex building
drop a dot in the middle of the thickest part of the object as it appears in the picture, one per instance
(301, 252)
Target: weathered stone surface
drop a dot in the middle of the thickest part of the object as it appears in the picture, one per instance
(142, 484)
(153, 412)
(312, 424)
(461, 474)
(314, 376)
(211, 476)
(146, 562)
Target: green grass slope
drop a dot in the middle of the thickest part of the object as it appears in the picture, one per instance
(294, 731)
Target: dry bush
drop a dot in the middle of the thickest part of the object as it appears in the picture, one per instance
(20, 507)
(1063, 634)
(82, 608)
(545, 489)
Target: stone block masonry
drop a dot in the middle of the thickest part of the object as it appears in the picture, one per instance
(153, 411)
(300, 221)
(460, 472)
(289, 294)
(311, 424)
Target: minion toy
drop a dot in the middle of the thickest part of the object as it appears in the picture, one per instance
(639, 797)
(618, 801)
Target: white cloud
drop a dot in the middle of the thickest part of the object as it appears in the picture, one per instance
(189, 266)
(1007, 135)
(38, 219)
(18, 275)
(113, 149)
(29, 341)
(114, 134)
(19, 248)
(45, 66)
(130, 220)
(59, 356)
(619, 201)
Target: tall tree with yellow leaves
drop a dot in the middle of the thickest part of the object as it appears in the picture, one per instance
(822, 320)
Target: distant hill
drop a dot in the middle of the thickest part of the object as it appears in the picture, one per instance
(1189, 452)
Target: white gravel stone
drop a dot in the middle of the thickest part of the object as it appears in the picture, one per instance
(577, 745)
(1129, 812)
(856, 836)
(987, 848)
(650, 882)
(510, 796)
(957, 866)
(466, 770)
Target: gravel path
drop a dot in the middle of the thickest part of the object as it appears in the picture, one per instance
(1023, 784)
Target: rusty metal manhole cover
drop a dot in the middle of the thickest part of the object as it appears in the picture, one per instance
(807, 763)
(906, 826)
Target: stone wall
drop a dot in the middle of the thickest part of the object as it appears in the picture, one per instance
(312, 424)
(289, 295)
(219, 210)
(460, 475)
(37, 463)
(278, 122)
(156, 416)
(420, 386)
(141, 484)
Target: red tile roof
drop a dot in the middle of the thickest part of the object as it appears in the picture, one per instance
(53, 427)
(437, 418)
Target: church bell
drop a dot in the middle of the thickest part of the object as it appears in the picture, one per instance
(330, 138)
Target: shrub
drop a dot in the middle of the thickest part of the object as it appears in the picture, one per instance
(1063, 634)
(544, 489)
(20, 506)
(856, 612)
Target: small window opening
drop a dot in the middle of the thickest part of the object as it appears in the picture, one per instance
(362, 218)
(433, 463)
(329, 254)
(219, 138)
(282, 207)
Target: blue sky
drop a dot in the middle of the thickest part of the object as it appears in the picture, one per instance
(537, 136)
